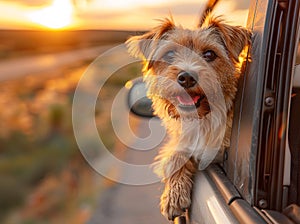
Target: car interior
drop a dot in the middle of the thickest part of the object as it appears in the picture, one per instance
(294, 139)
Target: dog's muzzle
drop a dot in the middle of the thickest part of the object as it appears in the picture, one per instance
(186, 79)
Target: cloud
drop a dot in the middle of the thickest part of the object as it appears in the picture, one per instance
(29, 2)
(240, 5)
(128, 19)
(92, 14)
(190, 8)
(178, 9)
(145, 16)
(149, 14)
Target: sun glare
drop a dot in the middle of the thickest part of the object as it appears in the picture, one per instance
(127, 4)
(56, 16)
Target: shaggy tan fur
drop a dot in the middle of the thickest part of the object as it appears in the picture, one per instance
(198, 117)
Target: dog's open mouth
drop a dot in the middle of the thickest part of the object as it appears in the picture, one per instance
(189, 102)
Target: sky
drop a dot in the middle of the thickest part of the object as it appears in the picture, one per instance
(110, 14)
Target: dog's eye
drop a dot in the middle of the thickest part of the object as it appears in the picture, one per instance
(209, 55)
(169, 56)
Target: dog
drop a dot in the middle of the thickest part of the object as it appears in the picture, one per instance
(191, 76)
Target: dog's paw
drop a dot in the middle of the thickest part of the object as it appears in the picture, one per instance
(175, 200)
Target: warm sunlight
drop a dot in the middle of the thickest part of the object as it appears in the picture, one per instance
(108, 14)
(127, 4)
(56, 16)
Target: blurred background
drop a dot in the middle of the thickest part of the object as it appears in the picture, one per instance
(45, 48)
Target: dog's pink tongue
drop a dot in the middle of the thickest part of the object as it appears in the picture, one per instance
(187, 100)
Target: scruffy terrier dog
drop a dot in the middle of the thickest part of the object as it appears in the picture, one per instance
(191, 77)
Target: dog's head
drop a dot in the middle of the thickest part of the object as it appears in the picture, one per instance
(182, 67)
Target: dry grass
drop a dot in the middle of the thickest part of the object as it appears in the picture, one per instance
(44, 178)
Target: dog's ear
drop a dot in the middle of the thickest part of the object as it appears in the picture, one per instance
(144, 46)
(235, 38)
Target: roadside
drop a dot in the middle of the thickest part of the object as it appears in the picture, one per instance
(39, 152)
(37, 97)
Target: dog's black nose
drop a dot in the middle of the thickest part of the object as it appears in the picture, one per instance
(186, 80)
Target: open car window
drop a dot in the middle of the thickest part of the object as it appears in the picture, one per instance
(294, 133)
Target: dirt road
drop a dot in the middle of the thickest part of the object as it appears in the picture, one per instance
(127, 204)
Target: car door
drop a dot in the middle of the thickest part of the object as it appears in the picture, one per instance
(259, 139)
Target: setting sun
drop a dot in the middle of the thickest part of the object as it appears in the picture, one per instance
(56, 16)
